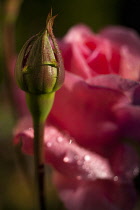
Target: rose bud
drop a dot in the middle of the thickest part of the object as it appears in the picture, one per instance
(39, 68)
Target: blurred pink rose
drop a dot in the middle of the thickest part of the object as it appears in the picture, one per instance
(95, 114)
(114, 50)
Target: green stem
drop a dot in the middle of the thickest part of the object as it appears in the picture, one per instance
(39, 106)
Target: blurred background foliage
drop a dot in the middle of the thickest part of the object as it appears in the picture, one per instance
(15, 191)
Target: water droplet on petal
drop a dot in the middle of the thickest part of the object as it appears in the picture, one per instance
(70, 141)
(49, 144)
(87, 158)
(59, 139)
(115, 178)
(66, 159)
(30, 129)
(69, 157)
(136, 171)
(79, 177)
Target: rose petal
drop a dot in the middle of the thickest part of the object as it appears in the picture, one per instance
(88, 111)
(125, 162)
(123, 36)
(115, 82)
(105, 58)
(79, 33)
(98, 62)
(128, 42)
(128, 119)
(130, 65)
(66, 156)
(76, 63)
(73, 53)
(86, 54)
(136, 96)
(99, 194)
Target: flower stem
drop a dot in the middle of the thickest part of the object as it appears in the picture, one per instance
(39, 106)
(39, 161)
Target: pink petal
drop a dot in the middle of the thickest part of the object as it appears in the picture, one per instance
(136, 96)
(128, 118)
(87, 54)
(123, 37)
(74, 53)
(78, 33)
(128, 42)
(105, 58)
(74, 60)
(66, 156)
(87, 111)
(115, 82)
(76, 46)
(99, 194)
(125, 162)
(99, 63)
(130, 65)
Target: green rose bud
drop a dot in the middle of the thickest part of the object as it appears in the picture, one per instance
(40, 72)
(39, 68)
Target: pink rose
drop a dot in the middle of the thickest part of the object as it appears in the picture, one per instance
(114, 50)
(95, 114)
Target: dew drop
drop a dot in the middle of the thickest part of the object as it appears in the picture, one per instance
(70, 142)
(69, 157)
(136, 171)
(59, 139)
(79, 177)
(115, 178)
(87, 158)
(66, 159)
(49, 144)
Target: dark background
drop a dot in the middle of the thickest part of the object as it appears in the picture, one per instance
(95, 13)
